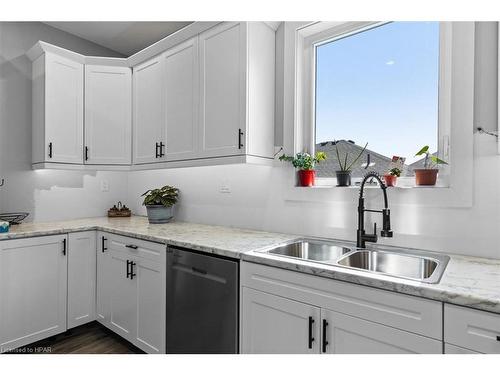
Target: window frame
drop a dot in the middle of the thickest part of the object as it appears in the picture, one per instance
(456, 108)
(312, 42)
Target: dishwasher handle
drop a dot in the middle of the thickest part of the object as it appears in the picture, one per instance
(198, 270)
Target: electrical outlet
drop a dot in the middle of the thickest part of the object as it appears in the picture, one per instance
(104, 185)
(225, 189)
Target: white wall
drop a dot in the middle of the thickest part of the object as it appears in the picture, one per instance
(260, 196)
(46, 195)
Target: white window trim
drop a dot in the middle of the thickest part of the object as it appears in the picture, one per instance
(456, 110)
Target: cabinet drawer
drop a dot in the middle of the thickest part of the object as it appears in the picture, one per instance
(140, 248)
(472, 329)
(413, 314)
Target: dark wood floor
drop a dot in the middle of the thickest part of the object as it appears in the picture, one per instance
(91, 338)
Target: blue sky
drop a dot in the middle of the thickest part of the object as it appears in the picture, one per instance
(381, 87)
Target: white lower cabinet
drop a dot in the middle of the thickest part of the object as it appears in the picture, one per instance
(33, 289)
(273, 324)
(289, 312)
(81, 278)
(453, 349)
(131, 290)
(344, 334)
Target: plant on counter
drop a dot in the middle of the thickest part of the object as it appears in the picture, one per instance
(428, 174)
(159, 203)
(391, 177)
(305, 163)
(344, 174)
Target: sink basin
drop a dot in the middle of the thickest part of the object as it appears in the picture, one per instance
(399, 264)
(316, 251)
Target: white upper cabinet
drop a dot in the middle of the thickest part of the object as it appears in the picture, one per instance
(223, 89)
(209, 96)
(57, 109)
(181, 101)
(149, 111)
(237, 70)
(108, 115)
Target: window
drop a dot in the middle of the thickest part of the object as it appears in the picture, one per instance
(378, 85)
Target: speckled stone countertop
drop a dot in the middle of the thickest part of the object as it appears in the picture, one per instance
(467, 281)
(225, 241)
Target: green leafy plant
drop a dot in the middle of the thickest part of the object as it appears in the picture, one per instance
(395, 172)
(431, 161)
(343, 162)
(303, 160)
(166, 196)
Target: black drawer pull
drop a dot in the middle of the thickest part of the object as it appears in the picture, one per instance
(240, 134)
(156, 152)
(50, 150)
(132, 246)
(128, 272)
(311, 338)
(64, 246)
(198, 270)
(498, 338)
(103, 247)
(325, 343)
(132, 274)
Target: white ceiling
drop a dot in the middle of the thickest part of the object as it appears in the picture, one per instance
(126, 38)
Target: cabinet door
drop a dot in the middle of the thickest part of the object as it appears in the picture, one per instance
(122, 296)
(151, 294)
(103, 287)
(223, 90)
(344, 334)
(81, 278)
(149, 110)
(453, 349)
(108, 123)
(181, 73)
(63, 110)
(272, 324)
(33, 274)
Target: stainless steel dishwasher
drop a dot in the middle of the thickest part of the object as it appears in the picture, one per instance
(202, 303)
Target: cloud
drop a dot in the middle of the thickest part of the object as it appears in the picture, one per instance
(390, 62)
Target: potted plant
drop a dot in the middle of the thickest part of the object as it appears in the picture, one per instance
(305, 163)
(391, 177)
(428, 174)
(159, 204)
(344, 174)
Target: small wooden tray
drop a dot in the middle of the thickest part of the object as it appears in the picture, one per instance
(119, 210)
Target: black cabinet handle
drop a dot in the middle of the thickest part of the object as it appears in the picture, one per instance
(156, 152)
(325, 343)
(240, 134)
(50, 150)
(132, 246)
(64, 246)
(132, 274)
(103, 247)
(498, 338)
(128, 272)
(162, 146)
(86, 153)
(311, 338)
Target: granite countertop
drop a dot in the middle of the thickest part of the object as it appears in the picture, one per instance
(225, 241)
(467, 281)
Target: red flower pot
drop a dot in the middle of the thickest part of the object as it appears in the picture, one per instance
(306, 177)
(390, 180)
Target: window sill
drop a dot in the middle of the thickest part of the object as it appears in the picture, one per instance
(423, 196)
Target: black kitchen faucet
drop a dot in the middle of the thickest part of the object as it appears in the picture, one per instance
(362, 236)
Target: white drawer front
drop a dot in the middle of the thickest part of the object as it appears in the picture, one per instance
(472, 329)
(408, 313)
(144, 249)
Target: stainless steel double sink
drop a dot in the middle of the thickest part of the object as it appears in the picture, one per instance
(415, 265)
